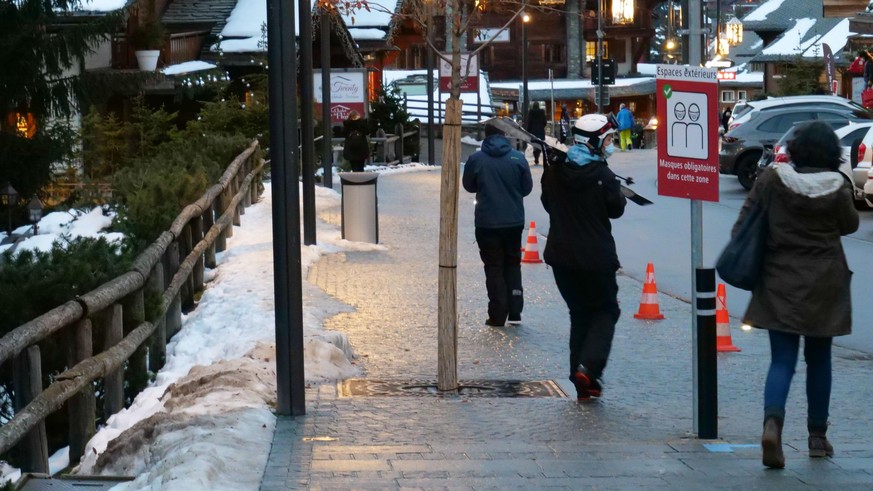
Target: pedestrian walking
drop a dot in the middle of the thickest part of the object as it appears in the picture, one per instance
(726, 118)
(565, 123)
(356, 147)
(868, 70)
(536, 125)
(804, 289)
(500, 177)
(581, 196)
(625, 125)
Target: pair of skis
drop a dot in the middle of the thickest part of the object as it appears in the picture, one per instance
(553, 151)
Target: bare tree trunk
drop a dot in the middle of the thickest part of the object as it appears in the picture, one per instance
(447, 377)
(447, 339)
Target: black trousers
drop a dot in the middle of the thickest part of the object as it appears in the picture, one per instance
(357, 165)
(592, 297)
(500, 250)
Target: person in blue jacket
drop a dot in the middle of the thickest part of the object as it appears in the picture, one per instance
(625, 124)
(500, 177)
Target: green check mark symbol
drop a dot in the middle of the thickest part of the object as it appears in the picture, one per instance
(668, 91)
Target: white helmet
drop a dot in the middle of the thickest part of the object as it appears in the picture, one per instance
(593, 128)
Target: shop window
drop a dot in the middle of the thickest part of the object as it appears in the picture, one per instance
(591, 50)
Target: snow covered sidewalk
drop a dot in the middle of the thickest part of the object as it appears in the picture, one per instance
(207, 420)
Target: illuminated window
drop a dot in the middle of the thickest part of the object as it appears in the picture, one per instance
(591, 50)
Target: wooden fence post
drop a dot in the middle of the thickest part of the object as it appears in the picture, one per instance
(173, 317)
(196, 236)
(228, 196)
(237, 210)
(247, 197)
(220, 206)
(82, 407)
(208, 222)
(254, 188)
(398, 128)
(158, 345)
(133, 310)
(27, 376)
(113, 383)
(185, 248)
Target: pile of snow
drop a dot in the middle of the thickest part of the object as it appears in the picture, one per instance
(63, 225)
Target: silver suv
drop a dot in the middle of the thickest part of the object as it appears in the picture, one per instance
(742, 147)
(743, 110)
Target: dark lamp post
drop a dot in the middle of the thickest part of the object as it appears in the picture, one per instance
(34, 212)
(8, 197)
(525, 18)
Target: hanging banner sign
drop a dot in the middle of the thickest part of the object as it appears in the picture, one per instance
(469, 74)
(348, 92)
(687, 102)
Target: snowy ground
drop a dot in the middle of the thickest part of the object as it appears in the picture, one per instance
(207, 421)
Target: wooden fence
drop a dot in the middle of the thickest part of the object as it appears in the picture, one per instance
(172, 266)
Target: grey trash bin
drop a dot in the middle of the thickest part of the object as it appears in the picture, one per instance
(360, 207)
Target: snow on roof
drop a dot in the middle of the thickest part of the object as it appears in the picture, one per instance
(367, 34)
(247, 18)
(568, 84)
(101, 5)
(379, 14)
(836, 38)
(763, 10)
(791, 41)
(187, 67)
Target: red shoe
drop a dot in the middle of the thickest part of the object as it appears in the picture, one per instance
(582, 383)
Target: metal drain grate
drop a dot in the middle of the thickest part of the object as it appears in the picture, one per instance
(469, 388)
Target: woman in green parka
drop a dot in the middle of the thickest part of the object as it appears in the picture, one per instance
(804, 290)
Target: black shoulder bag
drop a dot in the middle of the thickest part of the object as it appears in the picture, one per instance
(742, 260)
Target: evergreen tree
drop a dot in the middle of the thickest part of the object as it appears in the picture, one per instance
(40, 41)
(801, 77)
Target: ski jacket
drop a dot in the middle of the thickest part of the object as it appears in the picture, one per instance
(625, 119)
(500, 177)
(581, 195)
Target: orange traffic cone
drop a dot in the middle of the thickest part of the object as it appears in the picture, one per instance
(649, 308)
(531, 250)
(723, 322)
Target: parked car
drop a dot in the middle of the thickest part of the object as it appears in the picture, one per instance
(855, 139)
(776, 152)
(743, 146)
(743, 110)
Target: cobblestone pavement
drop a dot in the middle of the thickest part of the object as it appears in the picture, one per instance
(638, 436)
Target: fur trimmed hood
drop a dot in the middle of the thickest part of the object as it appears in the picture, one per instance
(814, 184)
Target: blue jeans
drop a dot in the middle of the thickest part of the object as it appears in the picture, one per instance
(783, 360)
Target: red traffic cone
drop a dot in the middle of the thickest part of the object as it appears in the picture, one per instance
(723, 323)
(649, 309)
(531, 249)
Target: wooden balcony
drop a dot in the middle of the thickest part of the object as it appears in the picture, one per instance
(640, 27)
(179, 48)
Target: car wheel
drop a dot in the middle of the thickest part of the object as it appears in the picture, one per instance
(747, 169)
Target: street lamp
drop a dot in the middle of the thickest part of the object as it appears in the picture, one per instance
(8, 197)
(734, 31)
(525, 18)
(34, 212)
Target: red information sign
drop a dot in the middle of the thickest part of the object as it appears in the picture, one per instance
(688, 120)
(469, 73)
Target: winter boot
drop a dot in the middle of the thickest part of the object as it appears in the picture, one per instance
(819, 446)
(771, 443)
